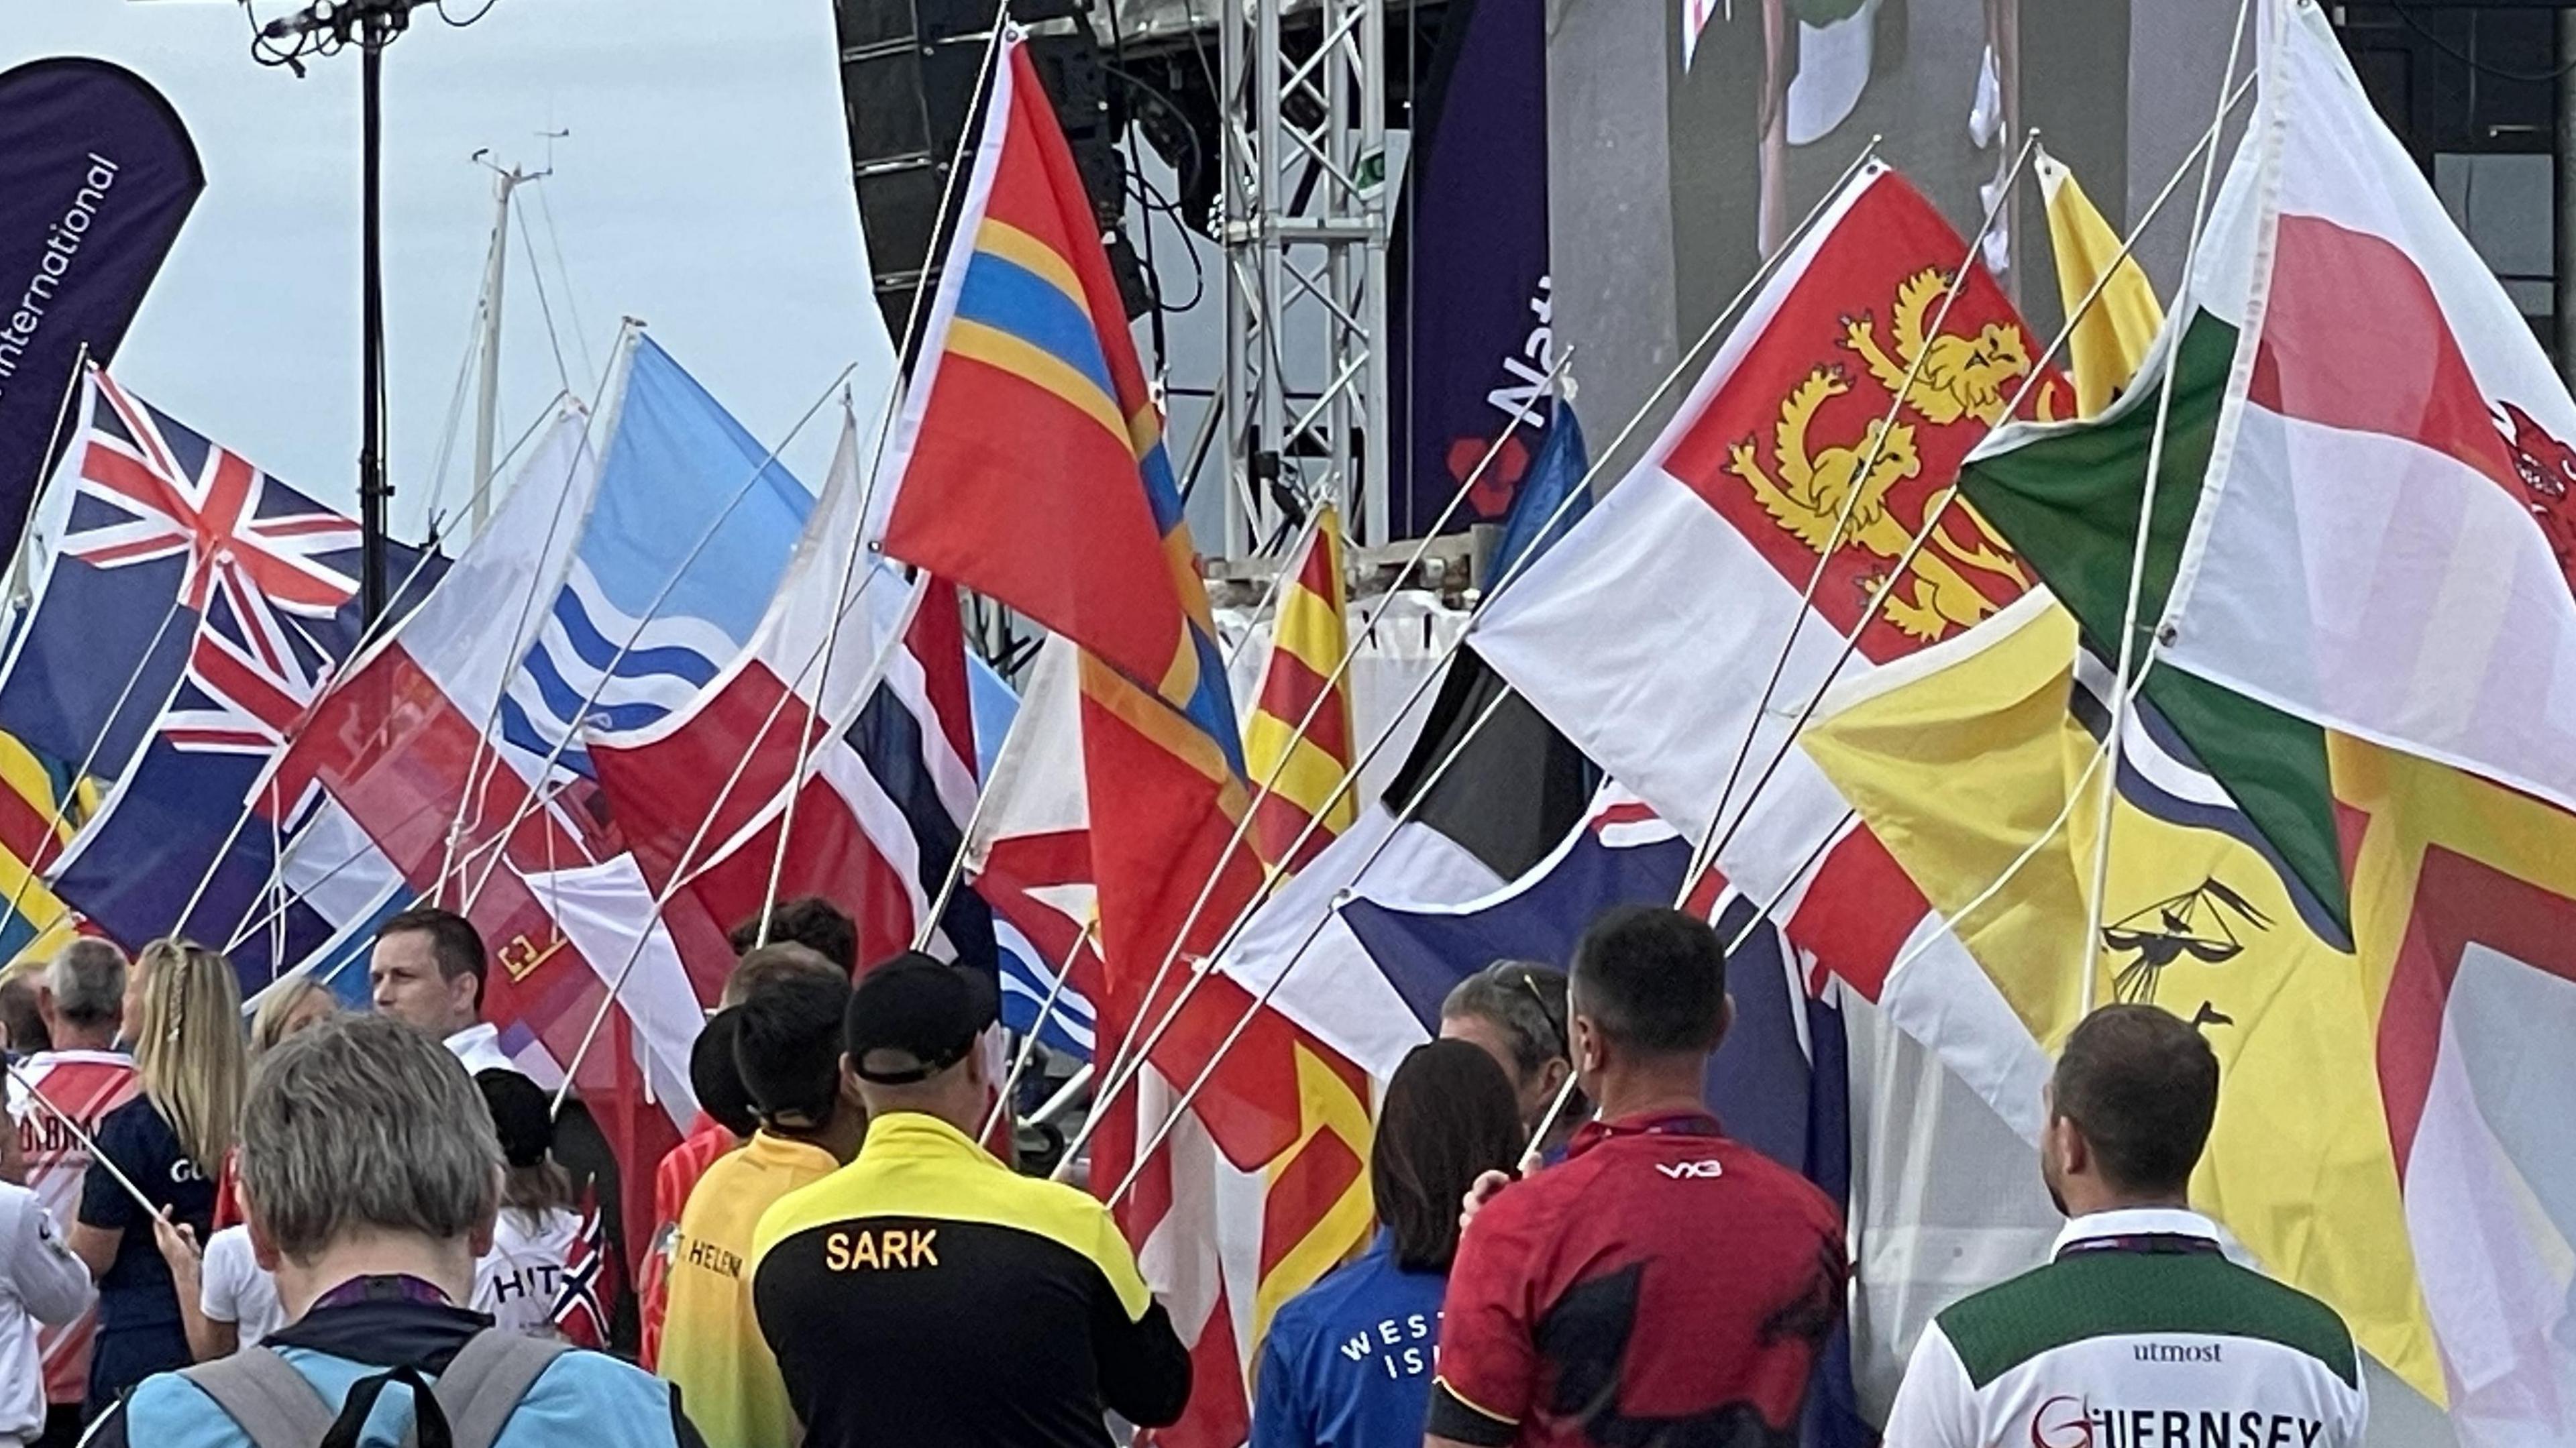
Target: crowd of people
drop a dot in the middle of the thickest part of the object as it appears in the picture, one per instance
(355, 1228)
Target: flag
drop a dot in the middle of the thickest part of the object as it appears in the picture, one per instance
(2464, 900)
(1030, 856)
(257, 586)
(859, 676)
(689, 538)
(1962, 764)
(589, 1280)
(2383, 541)
(396, 739)
(1779, 1081)
(1540, 514)
(1646, 633)
(162, 527)
(1298, 740)
(2110, 339)
(41, 809)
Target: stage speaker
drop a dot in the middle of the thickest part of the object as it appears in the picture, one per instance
(908, 83)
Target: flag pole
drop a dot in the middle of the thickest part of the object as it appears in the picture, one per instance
(1112, 1083)
(913, 322)
(87, 1142)
(1851, 504)
(2094, 904)
(1932, 516)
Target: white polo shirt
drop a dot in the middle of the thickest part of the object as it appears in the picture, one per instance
(2139, 1333)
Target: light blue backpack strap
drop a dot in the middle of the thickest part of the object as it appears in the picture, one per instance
(486, 1380)
(275, 1406)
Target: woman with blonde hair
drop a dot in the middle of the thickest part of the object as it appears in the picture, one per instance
(170, 1142)
(229, 1301)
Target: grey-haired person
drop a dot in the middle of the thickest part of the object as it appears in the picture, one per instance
(371, 1177)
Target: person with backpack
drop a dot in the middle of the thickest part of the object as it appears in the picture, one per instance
(371, 1176)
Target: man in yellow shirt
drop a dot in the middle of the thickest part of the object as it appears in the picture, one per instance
(787, 1040)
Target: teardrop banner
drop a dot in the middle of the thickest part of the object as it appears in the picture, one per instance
(96, 175)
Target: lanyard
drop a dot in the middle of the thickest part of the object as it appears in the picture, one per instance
(2159, 1244)
(392, 1287)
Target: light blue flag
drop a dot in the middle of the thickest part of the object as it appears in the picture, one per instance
(683, 550)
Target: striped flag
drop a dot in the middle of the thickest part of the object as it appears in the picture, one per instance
(1299, 736)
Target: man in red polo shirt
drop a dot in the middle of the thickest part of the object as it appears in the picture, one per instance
(1664, 1285)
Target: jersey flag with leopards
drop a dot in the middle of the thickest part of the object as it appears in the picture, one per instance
(2357, 466)
(1647, 633)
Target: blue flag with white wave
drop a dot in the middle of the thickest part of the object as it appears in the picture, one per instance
(685, 544)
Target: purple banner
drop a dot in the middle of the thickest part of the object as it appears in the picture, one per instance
(1468, 293)
(96, 175)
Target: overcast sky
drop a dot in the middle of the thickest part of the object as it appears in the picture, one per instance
(705, 188)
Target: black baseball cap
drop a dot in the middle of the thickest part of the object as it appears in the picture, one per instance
(919, 1007)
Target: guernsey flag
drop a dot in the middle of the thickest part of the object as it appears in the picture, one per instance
(2360, 618)
(1299, 737)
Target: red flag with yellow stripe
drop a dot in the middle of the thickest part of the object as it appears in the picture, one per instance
(1298, 741)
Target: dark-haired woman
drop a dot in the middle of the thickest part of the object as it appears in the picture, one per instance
(1348, 1361)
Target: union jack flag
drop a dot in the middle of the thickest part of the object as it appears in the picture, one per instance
(256, 568)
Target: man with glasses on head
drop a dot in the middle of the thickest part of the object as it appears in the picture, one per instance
(1515, 1010)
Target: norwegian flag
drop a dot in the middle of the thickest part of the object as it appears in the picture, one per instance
(194, 609)
(580, 1312)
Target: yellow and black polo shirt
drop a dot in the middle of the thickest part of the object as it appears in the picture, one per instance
(926, 1294)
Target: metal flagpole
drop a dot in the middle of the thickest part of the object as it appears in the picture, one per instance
(46, 462)
(1851, 500)
(1940, 509)
(2093, 907)
(1111, 1082)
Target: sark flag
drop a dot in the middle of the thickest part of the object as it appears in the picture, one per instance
(96, 176)
(1027, 364)
(1646, 634)
(2337, 331)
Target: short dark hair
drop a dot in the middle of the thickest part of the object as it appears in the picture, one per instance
(712, 1075)
(453, 942)
(2142, 1087)
(787, 1048)
(1449, 1117)
(810, 921)
(1653, 980)
(775, 961)
(1525, 1001)
(20, 1021)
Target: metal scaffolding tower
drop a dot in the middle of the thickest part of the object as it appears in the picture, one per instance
(1304, 223)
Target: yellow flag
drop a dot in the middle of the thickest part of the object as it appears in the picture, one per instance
(1964, 755)
(36, 821)
(2112, 339)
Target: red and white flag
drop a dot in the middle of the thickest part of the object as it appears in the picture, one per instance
(1647, 633)
(2386, 539)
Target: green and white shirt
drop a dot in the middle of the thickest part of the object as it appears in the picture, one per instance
(2140, 1333)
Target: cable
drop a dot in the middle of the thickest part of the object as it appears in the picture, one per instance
(546, 309)
(2406, 12)
(461, 24)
